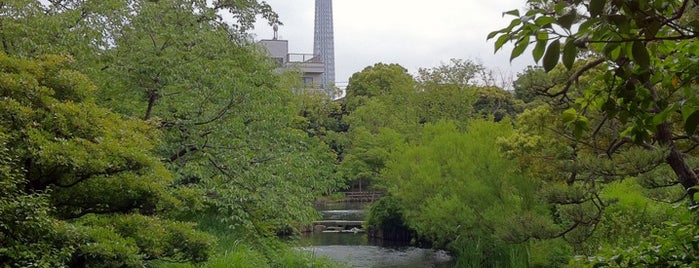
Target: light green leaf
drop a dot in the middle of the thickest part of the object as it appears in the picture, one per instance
(566, 21)
(569, 116)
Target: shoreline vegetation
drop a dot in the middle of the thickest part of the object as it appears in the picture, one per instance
(141, 133)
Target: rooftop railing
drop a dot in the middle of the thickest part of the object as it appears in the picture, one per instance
(307, 58)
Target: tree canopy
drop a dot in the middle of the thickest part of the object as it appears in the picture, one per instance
(645, 51)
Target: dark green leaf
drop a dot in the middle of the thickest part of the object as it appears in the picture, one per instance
(688, 108)
(566, 21)
(543, 21)
(621, 22)
(596, 7)
(652, 29)
(539, 49)
(519, 48)
(640, 54)
(501, 41)
(570, 51)
(690, 125)
(552, 54)
(513, 23)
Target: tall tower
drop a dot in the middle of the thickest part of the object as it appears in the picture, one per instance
(324, 40)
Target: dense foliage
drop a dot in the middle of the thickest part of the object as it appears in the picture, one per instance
(80, 183)
(625, 108)
(133, 132)
(186, 121)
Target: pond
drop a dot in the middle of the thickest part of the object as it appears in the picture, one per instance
(357, 250)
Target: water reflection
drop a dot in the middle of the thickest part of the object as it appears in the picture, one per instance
(356, 250)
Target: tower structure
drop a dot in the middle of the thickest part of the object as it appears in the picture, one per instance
(324, 41)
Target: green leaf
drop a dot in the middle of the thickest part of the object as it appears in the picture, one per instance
(501, 41)
(569, 116)
(691, 123)
(570, 51)
(493, 34)
(544, 21)
(566, 21)
(539, 49)
(513, 23)
(552, 54)
(519, 48)
(514, 12)
(652, 29)
(596, 7)
(688, 107)
(640, 54)
(609, 48)
(661, 117)
(580, 126)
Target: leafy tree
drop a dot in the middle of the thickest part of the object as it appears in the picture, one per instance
(227, 120)
(456, 191)
(460, 90)
(65, 160)
(379, 80)
(378, 115)
(645, 51)
(322, 117)
(463, 73)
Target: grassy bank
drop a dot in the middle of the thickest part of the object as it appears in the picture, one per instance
(234, 249)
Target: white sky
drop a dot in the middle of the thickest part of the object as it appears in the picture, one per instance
(411, 33)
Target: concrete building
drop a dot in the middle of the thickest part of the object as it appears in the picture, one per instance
(310, 66)
(317, 69)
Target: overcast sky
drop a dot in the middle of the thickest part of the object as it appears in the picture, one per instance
(411, 33)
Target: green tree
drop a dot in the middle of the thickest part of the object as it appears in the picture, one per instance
(378, 115)
(645, 50)
(227, 120)
(379, 80)
(457, 192)
(460, 90)
(67, 160)
(459, 72)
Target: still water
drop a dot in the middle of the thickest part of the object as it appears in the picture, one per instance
(357, 250)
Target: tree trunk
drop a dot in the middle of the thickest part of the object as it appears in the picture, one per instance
(685, 174)
(152, 95)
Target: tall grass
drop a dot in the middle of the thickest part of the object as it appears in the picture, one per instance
(234, 249)
(479, 253)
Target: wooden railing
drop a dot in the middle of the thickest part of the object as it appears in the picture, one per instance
(362, 196)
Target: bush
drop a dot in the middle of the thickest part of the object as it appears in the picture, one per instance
(153, 238)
